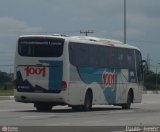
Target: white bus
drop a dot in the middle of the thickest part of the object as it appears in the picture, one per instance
(77, 71)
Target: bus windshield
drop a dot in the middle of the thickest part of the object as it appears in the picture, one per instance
(40, 47)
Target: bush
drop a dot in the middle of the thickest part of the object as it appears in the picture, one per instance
(150, 80)
(5, 79)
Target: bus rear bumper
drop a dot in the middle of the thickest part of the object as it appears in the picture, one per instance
(39, 97)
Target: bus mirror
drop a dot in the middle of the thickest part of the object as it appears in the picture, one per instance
(144, 65)
(144, 68)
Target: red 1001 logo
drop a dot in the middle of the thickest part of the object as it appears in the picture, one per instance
(35, 71)
(109, 79)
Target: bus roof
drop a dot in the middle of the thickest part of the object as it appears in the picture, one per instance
(101, 41)
(88, 40)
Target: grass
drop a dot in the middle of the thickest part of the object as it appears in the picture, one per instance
(6, 92)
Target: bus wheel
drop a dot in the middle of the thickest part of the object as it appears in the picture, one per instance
(129, 101)
(43, 107)
(88, 101)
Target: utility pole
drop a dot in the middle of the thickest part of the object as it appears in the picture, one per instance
(125, 41)
(148, 61)
(86, 32)
(157, 75)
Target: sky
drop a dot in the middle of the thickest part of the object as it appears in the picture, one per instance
(104, 17)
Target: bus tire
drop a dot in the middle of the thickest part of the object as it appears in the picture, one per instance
(129, 101)
(43, 107)
(88, 101)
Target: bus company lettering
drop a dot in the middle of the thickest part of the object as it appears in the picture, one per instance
(35, 71)
(108, 79)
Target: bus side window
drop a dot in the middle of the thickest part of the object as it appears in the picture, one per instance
(93, 55)
(79, 55)
(131, 66)
(83, 56)
(130, 59)
(120, 58)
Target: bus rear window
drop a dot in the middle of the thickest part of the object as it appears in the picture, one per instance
(41, 47)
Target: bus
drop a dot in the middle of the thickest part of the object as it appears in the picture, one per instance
(78, 71)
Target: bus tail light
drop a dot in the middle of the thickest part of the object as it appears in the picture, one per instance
(64, 85)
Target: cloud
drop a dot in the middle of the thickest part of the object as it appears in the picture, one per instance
(132, 34)
(11, 27)
(143, 21)
(105, 17)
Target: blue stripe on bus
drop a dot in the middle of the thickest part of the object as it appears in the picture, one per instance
(55, 74)
(89, 75)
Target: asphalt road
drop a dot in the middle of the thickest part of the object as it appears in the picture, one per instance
(145, 114)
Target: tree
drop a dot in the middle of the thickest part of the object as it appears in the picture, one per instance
(4, 78)
(150, 80)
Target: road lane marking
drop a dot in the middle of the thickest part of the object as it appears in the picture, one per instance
(38, 117)
(121, 111)
(8, 110)
(94, 121)
(81, 123)
(60, 124)
(127, 119)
